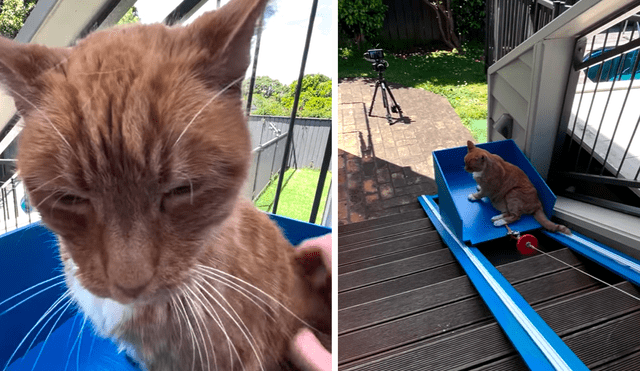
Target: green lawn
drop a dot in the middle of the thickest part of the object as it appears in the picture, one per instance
(459, 78)
(298, 192)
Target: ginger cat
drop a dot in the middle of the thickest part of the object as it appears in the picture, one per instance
(134, 150)
(508, 188)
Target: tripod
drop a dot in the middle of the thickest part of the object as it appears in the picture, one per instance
(384, 87)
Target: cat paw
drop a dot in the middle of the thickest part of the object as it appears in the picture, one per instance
(499, 223)
(471, 197)
(497, 217)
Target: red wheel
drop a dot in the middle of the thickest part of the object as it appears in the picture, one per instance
(522, 244)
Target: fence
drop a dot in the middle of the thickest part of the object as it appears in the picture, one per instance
(268, 135)
(599, 143)
(410, 22)
(511, 22)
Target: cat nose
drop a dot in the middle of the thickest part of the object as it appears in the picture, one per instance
(132, 292)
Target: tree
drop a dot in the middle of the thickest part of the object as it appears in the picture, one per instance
(13, 14)
(268, 87)
(272, 98)
(315, 96)
(469, 17)
(131, 16)
(445, 22)
(361, 20)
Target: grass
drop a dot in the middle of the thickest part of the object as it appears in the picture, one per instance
(458, 77)
(298, 192)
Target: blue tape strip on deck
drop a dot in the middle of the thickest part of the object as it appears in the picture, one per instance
(538, 345)
(617, 262)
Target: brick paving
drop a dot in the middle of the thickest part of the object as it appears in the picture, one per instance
(383, 168)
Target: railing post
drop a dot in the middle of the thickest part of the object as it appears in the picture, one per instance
(15, 200)
(5, 210)
(254, 68)
(294, 109)
(323, 174)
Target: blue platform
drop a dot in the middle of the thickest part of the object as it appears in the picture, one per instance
(471, 221)
(29, 256)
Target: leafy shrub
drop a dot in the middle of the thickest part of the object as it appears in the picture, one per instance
(469, 18)
(360, 19)
(13, 15)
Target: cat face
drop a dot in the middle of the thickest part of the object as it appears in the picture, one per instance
(135, 145)
(475, 159)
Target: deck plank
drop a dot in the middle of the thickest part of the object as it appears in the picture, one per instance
(453, 316)
(428, 238)
(406, 304)
(384, 233)
(398, 285)
(398, 268)
(345, 230)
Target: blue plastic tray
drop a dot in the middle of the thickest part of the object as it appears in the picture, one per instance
(28, 256)
(471, 221)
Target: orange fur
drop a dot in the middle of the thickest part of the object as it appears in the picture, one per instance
(507, 187)
(135, 148)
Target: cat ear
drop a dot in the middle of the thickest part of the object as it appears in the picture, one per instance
(226, 35)
(470, 145)
(22, 65)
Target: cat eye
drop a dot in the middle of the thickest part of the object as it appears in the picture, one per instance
(71, 199)
(179, 191)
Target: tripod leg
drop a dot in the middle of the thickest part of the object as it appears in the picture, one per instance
(384, 100)
(395, 106)
(374, 97)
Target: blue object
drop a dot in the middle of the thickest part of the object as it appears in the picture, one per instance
(471, 221)
(611, 69)
(537, 343)
(617, 262)
(29, 256)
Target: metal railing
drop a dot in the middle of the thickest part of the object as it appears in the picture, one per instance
(15, 207)
(511, 22)
(264, 165)
(597, 155)
(106, 13)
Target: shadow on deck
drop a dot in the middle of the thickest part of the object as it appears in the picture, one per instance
(405, 303)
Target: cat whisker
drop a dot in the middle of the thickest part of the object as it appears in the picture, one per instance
(44, 199)
(51, 308)
(62, 310)
(33, 295)
(80, 343)
(101, 72)
(58, 199)
(241, 290)
(221, 325)
(191, 333)
(199, 319)
(211, 269)
(205, 105)
(47, 182)
(44, 116)
(73, 346)
(247, 334)
(174, 306)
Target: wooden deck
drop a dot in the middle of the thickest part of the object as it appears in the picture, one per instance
(405, 303)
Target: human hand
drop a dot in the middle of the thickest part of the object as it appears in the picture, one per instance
(306, 350)
(308, 354)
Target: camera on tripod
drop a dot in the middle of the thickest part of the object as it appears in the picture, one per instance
(376, 57)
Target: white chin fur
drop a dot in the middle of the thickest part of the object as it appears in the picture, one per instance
(104, 313)
(477, 174)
